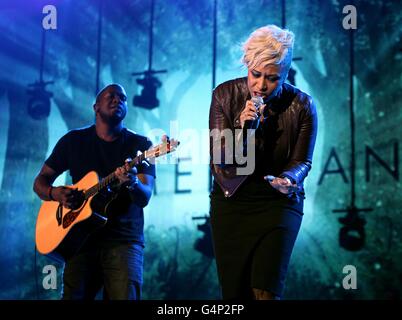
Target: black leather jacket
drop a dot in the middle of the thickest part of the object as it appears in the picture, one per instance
(296, 131)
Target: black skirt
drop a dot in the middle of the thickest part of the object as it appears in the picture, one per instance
(254, 232)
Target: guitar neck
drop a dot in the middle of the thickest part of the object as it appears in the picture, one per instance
(152, 153)
(112, 177)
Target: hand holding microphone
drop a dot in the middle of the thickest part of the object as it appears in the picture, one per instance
(250, 116)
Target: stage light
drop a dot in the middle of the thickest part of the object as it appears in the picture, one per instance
(352, 235)
(148, 99)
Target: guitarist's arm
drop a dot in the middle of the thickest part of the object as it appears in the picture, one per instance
(44, 189)
(140, 185)
(141, 191)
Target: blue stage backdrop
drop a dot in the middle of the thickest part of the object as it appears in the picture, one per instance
(91, 43)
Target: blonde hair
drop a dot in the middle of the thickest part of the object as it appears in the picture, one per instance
(268, 45)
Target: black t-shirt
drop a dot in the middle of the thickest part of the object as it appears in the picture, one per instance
(81, 151)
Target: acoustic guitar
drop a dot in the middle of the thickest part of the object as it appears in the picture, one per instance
(60, 232)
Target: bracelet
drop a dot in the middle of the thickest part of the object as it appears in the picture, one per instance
(49, 193)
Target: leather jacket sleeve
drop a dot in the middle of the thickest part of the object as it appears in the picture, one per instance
(219, 126)
(301, 159)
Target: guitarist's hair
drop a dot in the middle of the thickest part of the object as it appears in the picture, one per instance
(101, 91)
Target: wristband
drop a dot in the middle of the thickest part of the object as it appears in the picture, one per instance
(49, 193)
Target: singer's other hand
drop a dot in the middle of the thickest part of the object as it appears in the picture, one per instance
(283, 185)
(250, 112)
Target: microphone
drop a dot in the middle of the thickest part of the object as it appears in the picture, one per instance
(253, 124)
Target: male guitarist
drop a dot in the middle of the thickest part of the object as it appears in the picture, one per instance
(112, 256)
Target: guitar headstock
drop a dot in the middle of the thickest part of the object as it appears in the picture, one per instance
(167, 146)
